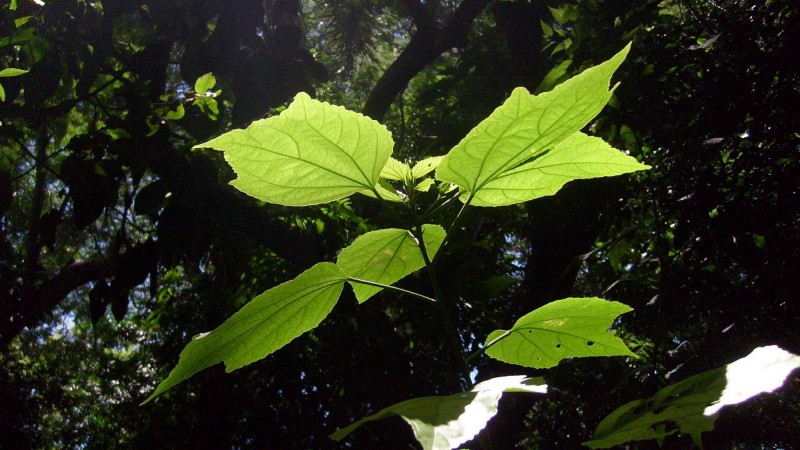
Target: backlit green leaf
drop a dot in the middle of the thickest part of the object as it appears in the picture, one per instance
(690, 406)
(208, 106)
(264, 325)
(176, 114)
(311, 153)
(426, 166)
(424, 185)
(578, 157)
(568, 328)
(445, 422)
(12, 72)
(395, 170)
(525, 126)
(205, 83)
(386, 256)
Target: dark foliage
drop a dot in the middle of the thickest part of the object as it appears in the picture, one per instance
(103, 206)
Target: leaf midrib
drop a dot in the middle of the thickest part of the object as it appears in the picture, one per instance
(502, 168)
(301, 295)
(335, 145)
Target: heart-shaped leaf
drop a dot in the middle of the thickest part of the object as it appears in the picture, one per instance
(311, 153)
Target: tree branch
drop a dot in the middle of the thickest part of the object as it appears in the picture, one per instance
(32, 242)
(422, 15)
(427, 44)
(30, 309)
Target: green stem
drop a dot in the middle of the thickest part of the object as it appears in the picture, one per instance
(439, 204)
(471, 358)
(453, 339)
(451, 334)
(392, 288)
(455, 222)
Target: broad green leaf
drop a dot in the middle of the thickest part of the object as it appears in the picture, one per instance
(311, 153)
(690, 406)
(426, 166)
(2, 94)
(396, 170)
(445, 422)
(12, 72)
(578, 157)
(264, 325)
(527, 125)
(386, 256)
(568, 328)
(205, 83)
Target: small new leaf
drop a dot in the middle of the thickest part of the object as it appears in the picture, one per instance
(385, 256)
(267, 323)
(445, 422)
(311, 153)
(205, 83)
(383, 190)
(568, 328)
(395, 170)
(424, 185)
(426, 166)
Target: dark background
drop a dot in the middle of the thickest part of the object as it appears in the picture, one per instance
(118, 243)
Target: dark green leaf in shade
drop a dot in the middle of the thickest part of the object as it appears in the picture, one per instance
(445, 422)
(690, 406)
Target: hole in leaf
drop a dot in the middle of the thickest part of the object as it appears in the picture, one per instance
(558, 345)
(590, 343)
(530, 331)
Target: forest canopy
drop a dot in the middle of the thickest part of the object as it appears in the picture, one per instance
(125, 239)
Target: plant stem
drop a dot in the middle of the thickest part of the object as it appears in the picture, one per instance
(436, 206)
(455, 222)
(390, 287)
(482, 350)
(453, 338)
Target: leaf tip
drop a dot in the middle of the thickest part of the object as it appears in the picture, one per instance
(152, 396)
